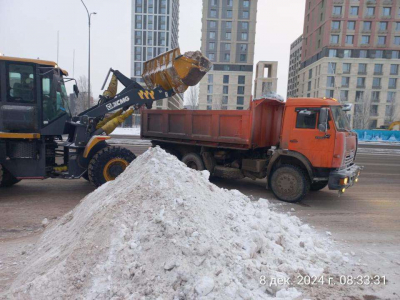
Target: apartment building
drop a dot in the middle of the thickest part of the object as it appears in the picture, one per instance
(266, 81)
(228, 37)
(351, 52)
(155, 29)
(294, 67)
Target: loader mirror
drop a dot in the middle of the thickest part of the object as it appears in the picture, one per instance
(76, 90)
(323, 119)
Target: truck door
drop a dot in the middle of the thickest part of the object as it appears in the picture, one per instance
(306, 139)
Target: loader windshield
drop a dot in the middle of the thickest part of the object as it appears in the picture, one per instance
(54, 95)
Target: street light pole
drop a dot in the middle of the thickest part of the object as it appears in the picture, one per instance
(89, 20)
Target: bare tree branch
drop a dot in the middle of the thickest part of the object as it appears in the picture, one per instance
(192, 97)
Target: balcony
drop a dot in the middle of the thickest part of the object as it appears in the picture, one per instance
(336, 16)
(369, 16)
(362, 73)
(371, 2)
(387, 2)
(336, 30)
(366, 31)
(359, 86)
(378, 73)
(381, 46)
(386, 17)
(376, 87)
(364, 45)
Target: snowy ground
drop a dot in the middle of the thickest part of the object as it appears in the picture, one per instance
(126, 131)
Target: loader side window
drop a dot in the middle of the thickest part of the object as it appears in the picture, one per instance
(21, 83)
(306, 119)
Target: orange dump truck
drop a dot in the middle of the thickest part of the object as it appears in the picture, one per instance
(299, 145)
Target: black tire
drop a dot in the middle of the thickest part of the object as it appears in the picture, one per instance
(289, 183)
(6, 178)
(319, 185)
(108, 163)
(193, 161)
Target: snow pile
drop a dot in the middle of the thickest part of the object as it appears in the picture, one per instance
(163, 231)
(126, 131)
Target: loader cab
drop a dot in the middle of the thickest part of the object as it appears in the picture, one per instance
(33, 98)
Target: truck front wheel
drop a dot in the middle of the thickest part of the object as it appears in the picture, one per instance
(6, 178)
(108, 163)
(193, 161)
(289, 183)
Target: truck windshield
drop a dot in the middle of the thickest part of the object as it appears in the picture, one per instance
(340, 117)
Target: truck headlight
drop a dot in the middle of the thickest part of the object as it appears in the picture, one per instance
(344, 181)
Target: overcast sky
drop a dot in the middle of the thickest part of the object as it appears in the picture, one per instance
(28, 28)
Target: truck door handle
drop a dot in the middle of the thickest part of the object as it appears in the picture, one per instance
(326, 136)
(294, 141)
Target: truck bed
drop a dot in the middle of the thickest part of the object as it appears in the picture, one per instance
(257, 127)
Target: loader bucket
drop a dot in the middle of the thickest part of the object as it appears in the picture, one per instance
(171, 70)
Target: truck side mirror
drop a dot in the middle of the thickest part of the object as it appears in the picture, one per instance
(76, 90)
(323, 119)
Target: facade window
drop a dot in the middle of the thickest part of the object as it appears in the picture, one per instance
(362, 68)
(383, 26)
(347, 53)
(224, 99)
(240, 100)
(226, 79)
(370, 11)
(394, 69)
(331, 68)
(213, 13)
(397, 26)
(346, 68)
(228, 35)
(244, 36)
(330, 82)
(209, 107)
(397, 40)
(329, 93)
(209, 99)
(337, 11)
(225, 89)
(240, 90)
(243, 47)
(359, 96)
(228, 25)
(376, 83)
(210, 78)
(229, 2)
(381, 40)
(209, 89)
(211, 35)
(245, 25)
(138, 69)
(229, 14)
(375, 96)
(351, 25)
(392, 83)
(211, 46)
(239, 108)
(214, 2)
(310, 74)
(246, 3)
(332, 53)
(363, 53)
(335, 25)
(227, 57)
(387, 11)
(378, 54)
(395, 54)
(241, 79)
(227, 47)
(213, 24)
(378, 69)
(334, 39)
(350, 39)
(361, 82)
(243, 57)
(365, 39)
(391, 96)
(211, 56)
(344, 95)
(354, 11)
(367, 26)
(245, 14)
(345, 81)
(138, 22)
(309, 86)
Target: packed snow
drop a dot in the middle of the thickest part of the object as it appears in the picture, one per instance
(163, 231)
(126, 131)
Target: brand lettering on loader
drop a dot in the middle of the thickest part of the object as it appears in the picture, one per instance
(146, 94)
(113, 105)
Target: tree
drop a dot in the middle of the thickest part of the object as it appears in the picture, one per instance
(392, 112)
(192, 97)
(82, 101)
(362, 112)
(217, 104)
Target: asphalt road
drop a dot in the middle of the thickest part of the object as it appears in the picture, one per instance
(365, 220)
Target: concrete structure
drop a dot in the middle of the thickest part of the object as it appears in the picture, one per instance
(351, 52)
(228, 37)
(266, 78)
(294, 67)
(155, 28)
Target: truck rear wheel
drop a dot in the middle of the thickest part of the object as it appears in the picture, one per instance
(289, 183)
(319, 185)
(6, 178)
(108, 163)
(193, 161)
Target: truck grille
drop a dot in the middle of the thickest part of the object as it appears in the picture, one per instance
(349, 159)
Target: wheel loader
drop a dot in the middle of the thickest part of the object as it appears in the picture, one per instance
(34, 117)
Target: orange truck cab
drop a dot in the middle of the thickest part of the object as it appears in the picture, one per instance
(299, 145)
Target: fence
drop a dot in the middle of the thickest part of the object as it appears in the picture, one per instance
(378, 135)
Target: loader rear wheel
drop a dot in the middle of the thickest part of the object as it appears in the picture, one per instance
(193, 161)
(6, 178)
(108, 163)
(289, 183)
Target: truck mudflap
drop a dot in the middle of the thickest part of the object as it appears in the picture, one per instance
(342, 179)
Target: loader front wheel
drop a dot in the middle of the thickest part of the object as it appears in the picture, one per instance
(108, 163)
(6, 178)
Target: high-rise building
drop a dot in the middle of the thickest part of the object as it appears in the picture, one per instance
(228, 37)
(351, 52)
(155, 28)
(294, 67)
(266, 81)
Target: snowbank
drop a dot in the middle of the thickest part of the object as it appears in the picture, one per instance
(163, 231)
(126, 131)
